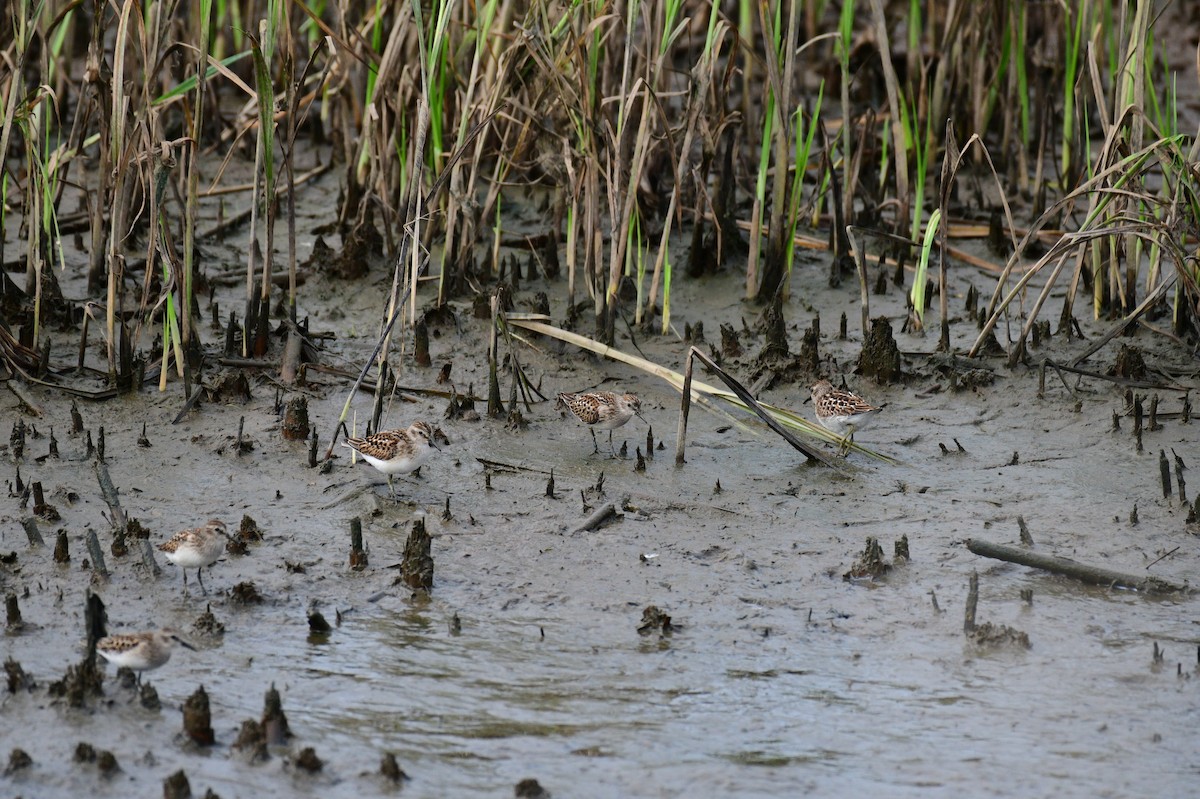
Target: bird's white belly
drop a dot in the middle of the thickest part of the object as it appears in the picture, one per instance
(398, 465)
(192, 558)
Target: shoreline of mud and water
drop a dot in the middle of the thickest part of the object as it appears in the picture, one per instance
(776, 675)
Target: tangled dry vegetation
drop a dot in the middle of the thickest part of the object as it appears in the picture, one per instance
(658, 136)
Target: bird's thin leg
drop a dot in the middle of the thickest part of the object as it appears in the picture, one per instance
(392, 487)
(200, 577)
(611, 451)
(848, 440)
(595, 445)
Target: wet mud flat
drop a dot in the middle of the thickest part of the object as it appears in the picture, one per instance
(992, 594)
(537, 653)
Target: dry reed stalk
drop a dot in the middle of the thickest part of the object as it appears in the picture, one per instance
(622, 205)
(701, 77)
(118, 118)
(1123, 170)
(461, 185)
(947, 69)
(892, 85)
(780, 80)
(192, 171)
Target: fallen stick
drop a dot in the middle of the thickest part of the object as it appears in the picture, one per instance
(596, 519)
(1080, 571)
(510, 467)
(191, 403)
(24, 398)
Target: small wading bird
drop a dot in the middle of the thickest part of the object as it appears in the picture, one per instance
(841, 412)
(140, 651)
(196, 548)
(602, 410)
(397, 451)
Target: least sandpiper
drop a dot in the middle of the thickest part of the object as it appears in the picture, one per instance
(602, 410)
(196, 548)
(397, 451)
(140, 651)
(841, 412)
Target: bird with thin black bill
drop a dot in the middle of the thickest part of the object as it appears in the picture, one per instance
(396, 452)
(602, 410)
(140, 651)
(196, 548)
(841, 412)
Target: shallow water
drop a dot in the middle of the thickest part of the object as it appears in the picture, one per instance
(782, 679)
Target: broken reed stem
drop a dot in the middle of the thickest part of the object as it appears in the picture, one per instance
(96, 554)
(148, 557)
(12, 613)
(1093, 575)
(1179, 479)
(597, 518)
(495, 405)
(32, 533)
(972, 604)
(290, 362)
(358, 555)
(111, 496)
(685, 405)
(860, 261)
(811, 454)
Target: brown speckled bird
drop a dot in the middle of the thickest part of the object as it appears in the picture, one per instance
(140, 651)
(196, 548)
(841, 412)
(397, 451)
(602, 410)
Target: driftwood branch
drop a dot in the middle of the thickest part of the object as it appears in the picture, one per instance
(1115, 379)
(596, 519)
(1094, 575)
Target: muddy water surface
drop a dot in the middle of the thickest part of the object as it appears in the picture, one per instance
(781, 679)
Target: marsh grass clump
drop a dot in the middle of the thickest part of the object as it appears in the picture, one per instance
(1051, 133)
